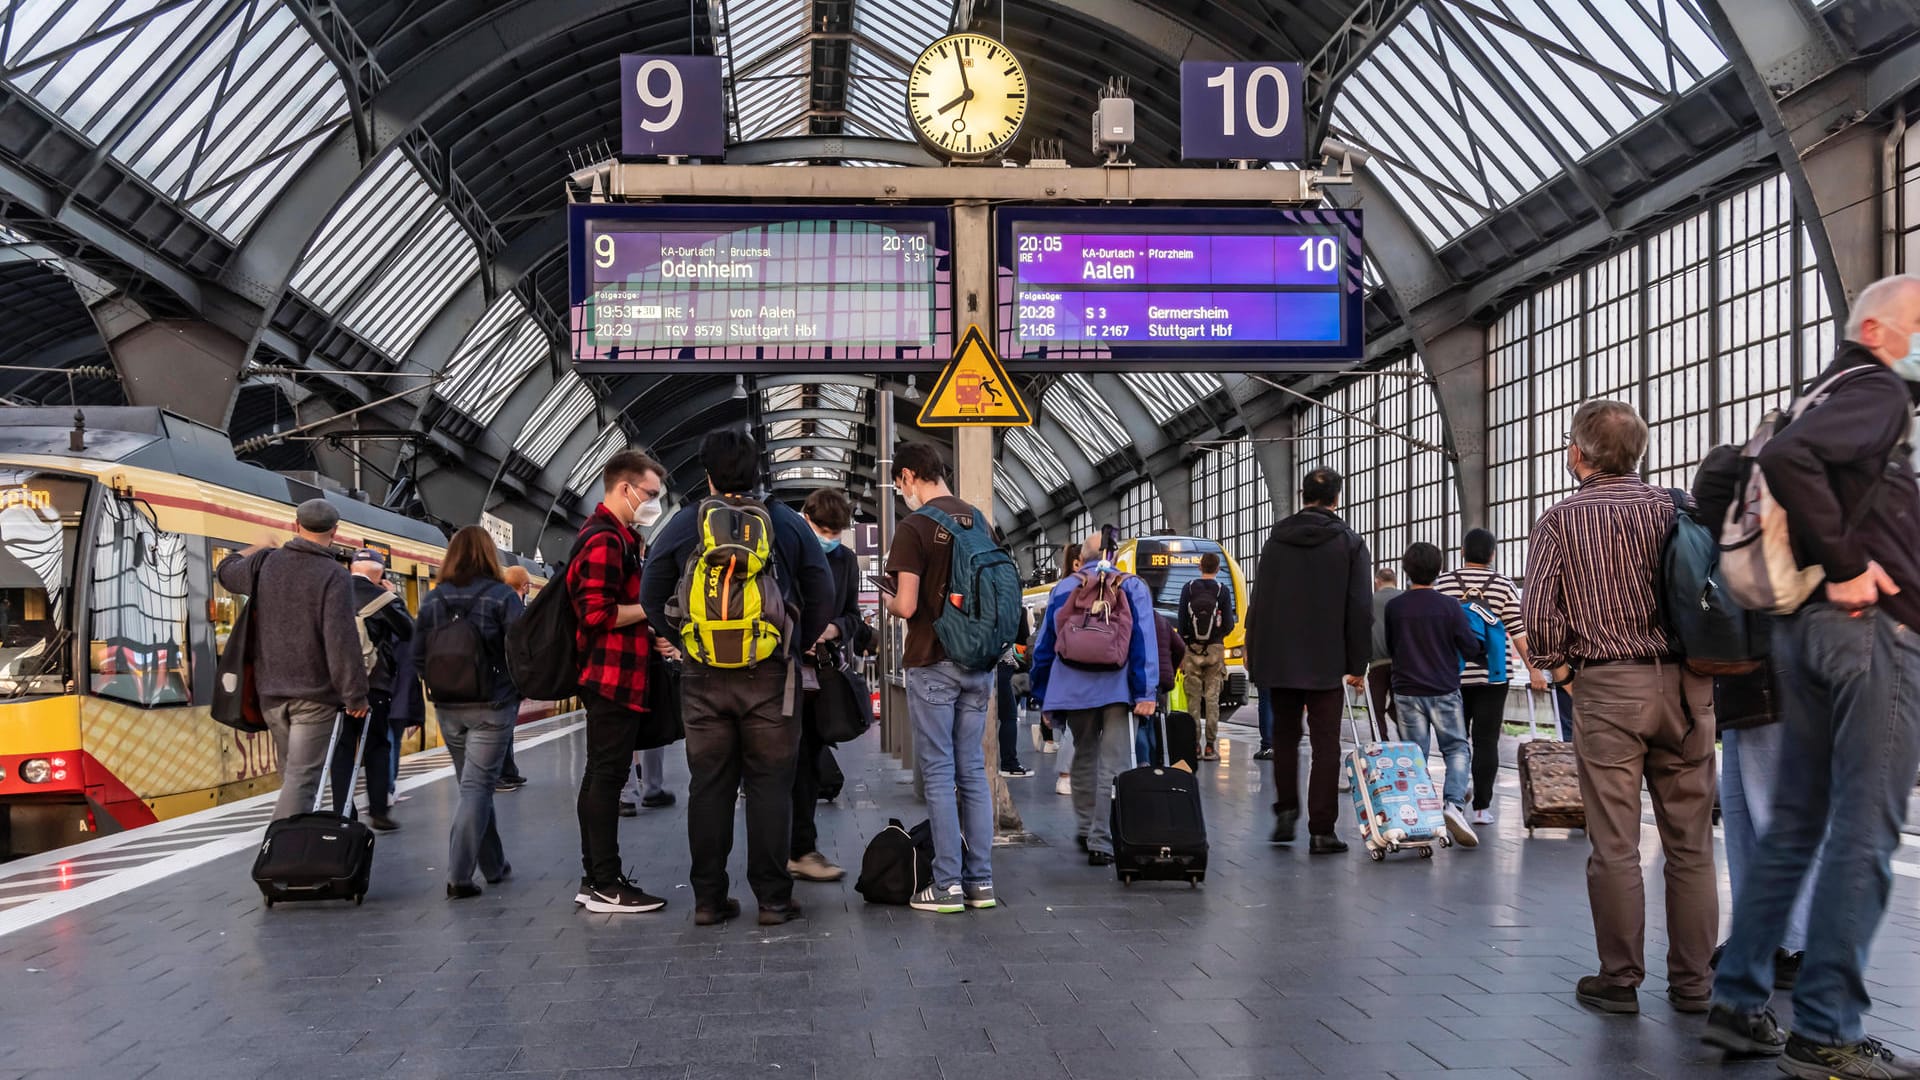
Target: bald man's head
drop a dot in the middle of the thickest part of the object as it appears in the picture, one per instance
(1886, 315)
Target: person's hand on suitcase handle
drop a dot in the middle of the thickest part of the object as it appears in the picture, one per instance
(1358, 682)
(1145, 708)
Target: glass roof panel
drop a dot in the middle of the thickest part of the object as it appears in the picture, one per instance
(1039, 458)
(220, 131)
(414, 285)
(1168, 395)
(1009, 491)
(889, 33)
(496, 355)
(1089, 420)
(1431, 101)
(557, 416)
(381, 211)
(764, 43)
(586, 471)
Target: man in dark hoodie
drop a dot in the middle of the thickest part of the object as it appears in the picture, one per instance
(1312, 630)
(309, 668)
(1850, 674)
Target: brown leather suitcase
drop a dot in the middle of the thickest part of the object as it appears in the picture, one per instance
(1549, 782)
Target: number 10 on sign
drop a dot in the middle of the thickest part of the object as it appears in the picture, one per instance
(1241, 110)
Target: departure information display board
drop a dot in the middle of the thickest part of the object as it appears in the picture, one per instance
(678, 283)
(1280, 285)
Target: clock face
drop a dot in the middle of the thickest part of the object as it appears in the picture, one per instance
(967, 95)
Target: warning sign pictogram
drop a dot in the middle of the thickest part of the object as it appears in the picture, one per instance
(974, 389)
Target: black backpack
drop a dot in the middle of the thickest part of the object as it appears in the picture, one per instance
(542, 646)
(898, 863)
(457, 669)
(1207, 613)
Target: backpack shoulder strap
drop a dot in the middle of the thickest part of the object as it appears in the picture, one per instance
(377, 603)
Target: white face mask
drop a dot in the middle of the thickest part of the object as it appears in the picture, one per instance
(1908, 366)
(648, 513)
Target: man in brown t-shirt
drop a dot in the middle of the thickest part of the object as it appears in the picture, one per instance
(946, 703)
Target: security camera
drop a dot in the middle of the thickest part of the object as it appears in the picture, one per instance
(1343, 154)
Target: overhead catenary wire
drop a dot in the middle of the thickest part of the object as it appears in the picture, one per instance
(1358, 419)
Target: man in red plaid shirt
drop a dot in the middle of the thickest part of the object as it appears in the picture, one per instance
(603, 577)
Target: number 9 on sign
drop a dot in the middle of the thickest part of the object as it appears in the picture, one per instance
(674, 96)
(671, 106)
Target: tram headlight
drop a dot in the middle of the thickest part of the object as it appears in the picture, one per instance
(36, 770)
(1236, 653)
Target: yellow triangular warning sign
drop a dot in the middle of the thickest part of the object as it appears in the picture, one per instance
(974, 389)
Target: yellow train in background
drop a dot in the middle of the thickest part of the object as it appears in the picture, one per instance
(1166, 564)
(111, 620)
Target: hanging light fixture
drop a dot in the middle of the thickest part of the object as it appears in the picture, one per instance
(913, 389)
(739, 387)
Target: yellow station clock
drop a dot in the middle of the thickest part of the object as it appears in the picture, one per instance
(967, 96)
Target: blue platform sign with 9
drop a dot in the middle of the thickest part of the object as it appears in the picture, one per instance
(671, 106)
(1246, 109)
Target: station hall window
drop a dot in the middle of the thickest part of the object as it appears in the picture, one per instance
(40, 518)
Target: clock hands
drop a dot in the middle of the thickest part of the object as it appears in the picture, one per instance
(964, 97)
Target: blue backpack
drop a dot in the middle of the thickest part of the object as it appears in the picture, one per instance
(1491, 631)
(982, 614)
(1704, 623)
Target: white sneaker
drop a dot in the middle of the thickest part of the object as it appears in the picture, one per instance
(1483, 817)
(1039, 740)
(1346, 782)
(1063, 785)
(1463, 833)
(1050, 748)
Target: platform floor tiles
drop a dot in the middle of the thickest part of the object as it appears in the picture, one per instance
(1282, 965)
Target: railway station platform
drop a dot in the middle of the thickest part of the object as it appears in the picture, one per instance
(163, 963)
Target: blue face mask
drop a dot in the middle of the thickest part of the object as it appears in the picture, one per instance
(1908, 366)
(826, 544)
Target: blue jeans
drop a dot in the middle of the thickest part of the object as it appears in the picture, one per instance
(1266, 721)
(477, 738)
(948, 707)
(1850, 684)
(1421, 718)
(1749, 775)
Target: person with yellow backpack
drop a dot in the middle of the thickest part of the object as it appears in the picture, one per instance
(741, 586)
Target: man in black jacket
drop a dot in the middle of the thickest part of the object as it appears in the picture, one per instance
(1312, 629)
(828, 511)
(379, 605)
(1849, 662)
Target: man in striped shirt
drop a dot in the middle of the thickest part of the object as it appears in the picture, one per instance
(1593, 616)
(1485, 697)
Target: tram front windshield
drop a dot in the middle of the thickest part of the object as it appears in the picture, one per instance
(1167, 565)
(39, 536)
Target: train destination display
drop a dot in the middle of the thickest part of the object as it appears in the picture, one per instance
(648, 283)
(1280, 283)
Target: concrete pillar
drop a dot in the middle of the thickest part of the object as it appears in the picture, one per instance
(187, 366)
(1175, 484)
(1457, 360)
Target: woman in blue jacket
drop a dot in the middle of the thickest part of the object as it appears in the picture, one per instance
(478, 728)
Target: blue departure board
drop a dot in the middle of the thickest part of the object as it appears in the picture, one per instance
(1264, 286)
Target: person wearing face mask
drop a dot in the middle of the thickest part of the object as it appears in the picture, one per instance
(828, 512)
(613, 643)
(1593, 619)
(1849, 666)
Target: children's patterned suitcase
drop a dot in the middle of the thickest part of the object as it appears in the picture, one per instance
(1395, 800)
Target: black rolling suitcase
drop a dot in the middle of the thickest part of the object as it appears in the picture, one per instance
(1159, 832)
(319, 855)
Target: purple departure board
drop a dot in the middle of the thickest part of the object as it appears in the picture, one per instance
(814, 282)
(1190, 284)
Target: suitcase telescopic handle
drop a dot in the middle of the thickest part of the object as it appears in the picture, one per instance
(325, 787)
(1366, 708)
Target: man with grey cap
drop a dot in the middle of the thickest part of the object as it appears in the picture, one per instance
(309, 665)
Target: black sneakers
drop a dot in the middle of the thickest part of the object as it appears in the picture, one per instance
(1744, 1033)
(1595, 992)
(1867, 1059)
(622, 897)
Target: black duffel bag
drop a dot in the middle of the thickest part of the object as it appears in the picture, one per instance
(663, 724)
(842, 709)
(898, 863)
